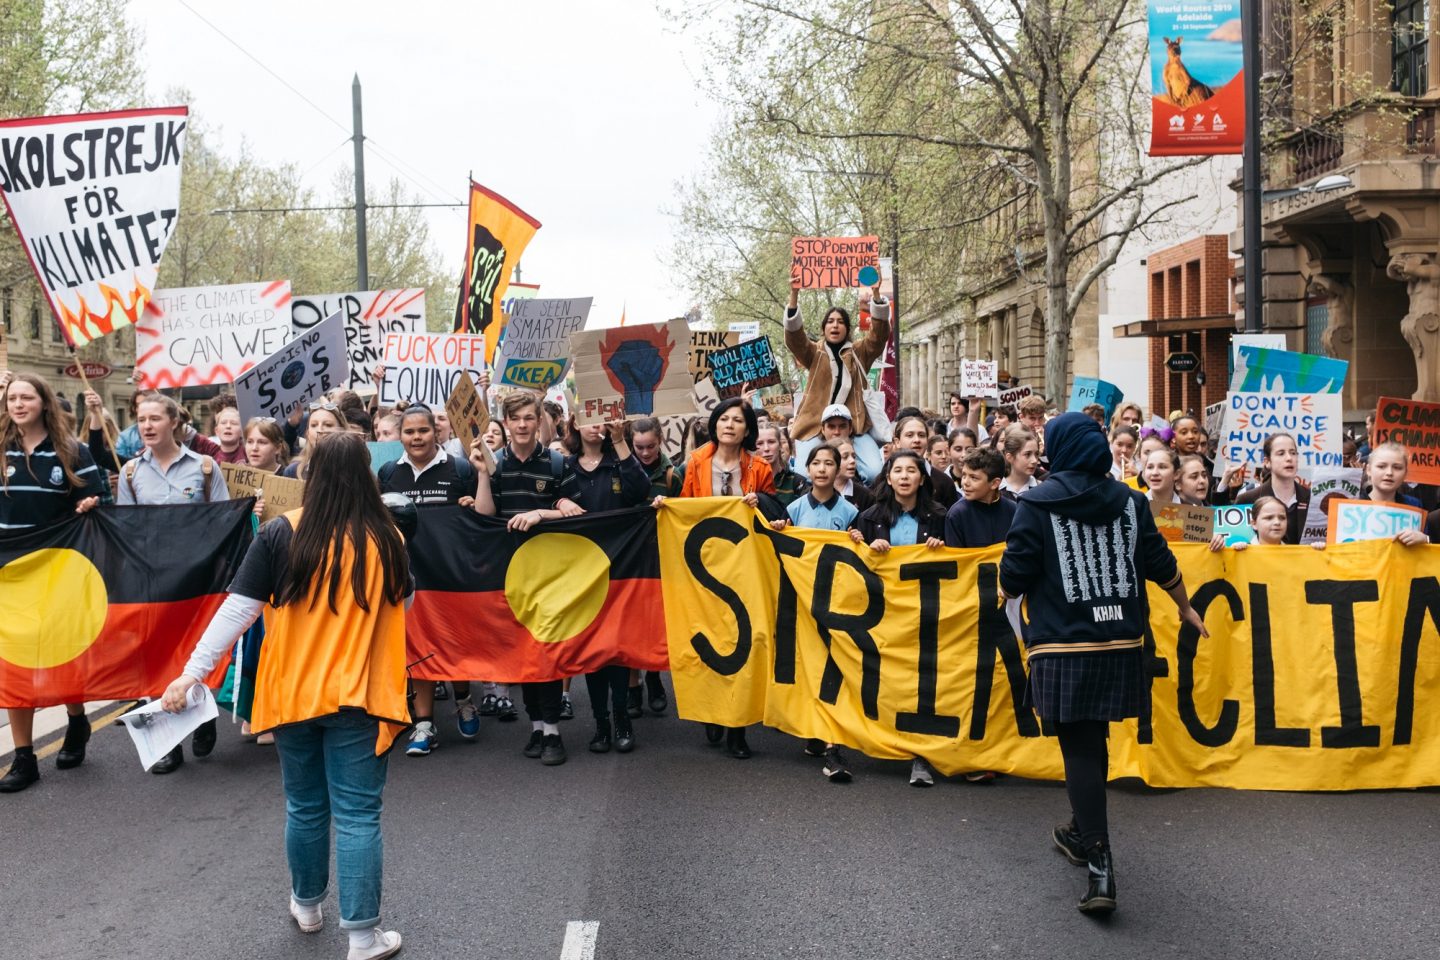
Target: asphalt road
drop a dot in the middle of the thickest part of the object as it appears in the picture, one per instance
(678, 851)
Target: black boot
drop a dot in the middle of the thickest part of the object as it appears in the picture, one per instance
(1067, 840)
(170, 762)
(634, 697)
(72, 751)
(1099, 899)
(600, 743)
(24, 771)
(624, 735)
(714, 733)
(735, 743)
(656, 690)
(204, 739)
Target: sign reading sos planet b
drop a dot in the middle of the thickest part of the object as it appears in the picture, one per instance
(309, 365)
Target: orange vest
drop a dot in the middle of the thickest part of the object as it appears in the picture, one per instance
(315, 662)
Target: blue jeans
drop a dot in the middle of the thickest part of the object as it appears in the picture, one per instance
(330, 771)
(868, 462)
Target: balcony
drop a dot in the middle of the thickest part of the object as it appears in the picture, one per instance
(1420, 132)
(1316, 152)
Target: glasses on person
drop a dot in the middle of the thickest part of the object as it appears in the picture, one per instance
(725, 483)
(324, 405)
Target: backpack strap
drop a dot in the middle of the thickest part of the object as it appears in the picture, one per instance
(130, 477)
(464, 471)
(557, 466)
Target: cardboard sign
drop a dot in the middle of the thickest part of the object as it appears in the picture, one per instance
(675, 436)
(369, 316)
(94, 198)
(1234, 522)
(1087, 390)
(281, 494)
(314, 363)
(705, 342)
(1214, 418)
(751, 362)
(1415, 424)
(423, 367)
(705, 397)
(1352, 520)
(623, 373)
(1182, 522)
(193, 336)
(1258, 370)
(977, 378)
(1011, 396)
(830, 263)
(535, 351)
(468, 414)
(1314, 419)
(1328, 484)
(383, 452)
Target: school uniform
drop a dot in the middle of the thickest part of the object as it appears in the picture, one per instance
(907, 529)
(975, 523)
(1294, 512)
(37, 493)
(837, 513)
(442, 480)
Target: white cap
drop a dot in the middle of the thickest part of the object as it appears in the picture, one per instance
(835, 410)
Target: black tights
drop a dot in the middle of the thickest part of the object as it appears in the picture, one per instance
(1087, 767)
(608, 687)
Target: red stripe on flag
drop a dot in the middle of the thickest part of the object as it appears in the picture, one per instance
(475, 635)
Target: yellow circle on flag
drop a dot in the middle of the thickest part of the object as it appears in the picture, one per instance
(556, 584)
(53, 606)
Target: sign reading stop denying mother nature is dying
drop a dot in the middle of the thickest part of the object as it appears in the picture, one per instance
(831, 263)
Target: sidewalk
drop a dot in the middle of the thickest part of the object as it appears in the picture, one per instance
(48, 721)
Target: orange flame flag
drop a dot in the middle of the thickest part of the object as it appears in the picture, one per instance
(94, 197)
(497, 234)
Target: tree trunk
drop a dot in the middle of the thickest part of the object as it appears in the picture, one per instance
(1057, 318)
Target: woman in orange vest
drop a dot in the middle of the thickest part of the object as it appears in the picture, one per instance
(331, 680)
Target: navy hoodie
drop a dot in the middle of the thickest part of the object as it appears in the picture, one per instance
(1080, 549)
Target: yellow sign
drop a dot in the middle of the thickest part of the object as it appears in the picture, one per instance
(1320, 673)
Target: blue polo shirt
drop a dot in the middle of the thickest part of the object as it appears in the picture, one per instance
(837, 513)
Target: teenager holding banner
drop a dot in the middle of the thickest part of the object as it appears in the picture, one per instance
(1087, 612)
(1282, 460)
(789, 484)
(835, 373)
(429, 475)
(48, 476)
(331, 682)
(913, 433)
(727, 466)
(610, 478)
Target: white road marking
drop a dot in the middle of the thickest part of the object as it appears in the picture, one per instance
(580, 940)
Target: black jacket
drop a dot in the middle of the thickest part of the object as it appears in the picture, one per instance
(874, 524)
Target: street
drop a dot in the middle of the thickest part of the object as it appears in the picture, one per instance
(676, 850)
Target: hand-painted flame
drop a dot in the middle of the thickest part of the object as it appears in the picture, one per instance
(83, 325)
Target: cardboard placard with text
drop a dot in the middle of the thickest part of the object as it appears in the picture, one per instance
(640, 370)
(423, 367)
(977, 378)
(312, 364)
(705, 342)
(751, 363)
(1011, 396)
(369, 316)
(281, 494)
(1328, 484)
(1314, 419)
(468, 414)
(1179, 522)
(1087, 390)
(1416, 425)
(832, 263)
(535, 352)
(196, 336)
(1352, 520)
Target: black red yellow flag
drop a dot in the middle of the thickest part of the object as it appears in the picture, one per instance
(108, 605)
(497, 234)
(565, 598)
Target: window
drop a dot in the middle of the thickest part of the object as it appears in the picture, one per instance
(34, 321)
(5, 309)
(1317, 318)
(1410, 46)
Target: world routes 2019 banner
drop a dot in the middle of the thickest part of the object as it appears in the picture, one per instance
(1197, 81)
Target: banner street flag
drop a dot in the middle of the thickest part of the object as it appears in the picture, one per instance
(94, 197)
(109, 605)
(565, 598)
(1197, 79)
(497, 235)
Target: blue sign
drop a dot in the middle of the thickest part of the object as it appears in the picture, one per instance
(1088, 390)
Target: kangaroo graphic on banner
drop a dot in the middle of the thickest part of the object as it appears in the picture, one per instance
(1182, 89)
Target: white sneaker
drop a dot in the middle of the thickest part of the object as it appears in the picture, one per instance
(309, 919)
(385, 944)
(920, 774)
(422, 739)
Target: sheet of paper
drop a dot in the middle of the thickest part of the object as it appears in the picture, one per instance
(155, 732)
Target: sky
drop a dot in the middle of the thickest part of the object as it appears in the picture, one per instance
(585, 114)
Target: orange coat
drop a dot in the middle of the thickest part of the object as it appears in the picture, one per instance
(755, 474)
(315, 662)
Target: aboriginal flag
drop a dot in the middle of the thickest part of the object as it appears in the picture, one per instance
(109, 605)
(564, 598)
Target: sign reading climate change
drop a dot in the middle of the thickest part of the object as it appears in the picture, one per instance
(94, 198)
(1197, 83)
(536, 349)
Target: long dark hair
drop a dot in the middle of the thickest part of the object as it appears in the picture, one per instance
(752, 423)
(885, 494)
(342, 502)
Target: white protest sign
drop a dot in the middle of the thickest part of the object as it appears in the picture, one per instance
(977, 378)
(313, 363)
(1327, 484)
(535, 351)
(201, 335)
(1313, 419)
(94, 198)
(747, 329)
(369, 316)
(423, 367)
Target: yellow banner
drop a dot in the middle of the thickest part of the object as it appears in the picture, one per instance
(1321, 670)
(498, 233)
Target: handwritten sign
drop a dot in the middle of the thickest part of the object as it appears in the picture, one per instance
(705, 342)
(281, 494)
(313, 363)
(1352, 520)
(369, 316)
(830, 263)
(1328, 484)
(1087, 390)
(1011, 396)
(751, 362)
(705, 397)
(535, 351)
(1313, 419)
(1183, 522)
(747, 329)
(423, 367)
(1234, 522)
(193, 336)
(1214, 417)
(977, 378)
(468, 414)
(1415, 424)
(622, 373)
